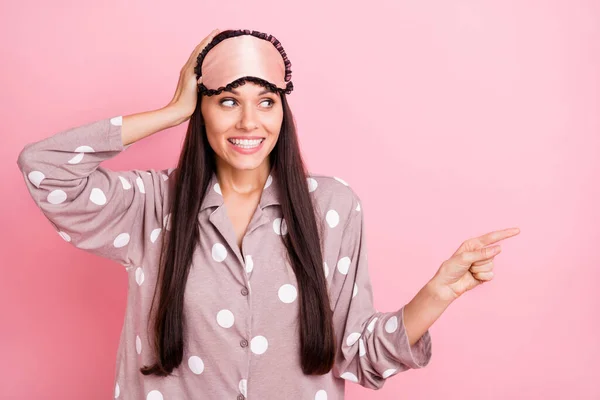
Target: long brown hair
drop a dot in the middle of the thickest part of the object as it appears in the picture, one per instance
(195, 168)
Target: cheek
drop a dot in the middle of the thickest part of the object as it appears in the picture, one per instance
(219, 123)
(213, 119)
(273, 123)
(217, 128)
(217, 141)
(215, 134)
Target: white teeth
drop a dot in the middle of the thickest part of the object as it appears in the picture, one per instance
(247, 144)
(245, 141)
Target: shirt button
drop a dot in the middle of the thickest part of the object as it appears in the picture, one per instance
(240, 397)
(244, 291)
(244, 343)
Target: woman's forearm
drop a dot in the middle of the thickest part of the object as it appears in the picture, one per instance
(141, 125)
(423, 310)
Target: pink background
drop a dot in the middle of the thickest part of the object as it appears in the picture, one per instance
(449, 119)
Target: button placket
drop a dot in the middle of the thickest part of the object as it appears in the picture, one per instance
(245, 291)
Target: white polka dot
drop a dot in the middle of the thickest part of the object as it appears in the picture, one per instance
(391, 325)
(154, 395)
(117, 390)
(56, 196)
(164, 177)
(259, 344)
(243, 386)
(352, 338)
(280, 226)
(170, 170)
(349, 376)
(268, 182)
(167, 221)
(321, 395)
(65, 236)
(138, 344)
(333, 218)
(140, 183)
(117, 121)
(372, 324)
(361, 348)
(84, 149)
(287, 293)
(343, 265)
(121, 240)
(312, 184)
(225, 318)
(97, 197)
(340, 180)
(77, 159)
(389, 372)
(36, 177)
(139, 276)
(326, 269)
(196, 364)
(358, 207)
(217, 188)
(154, 234)
(219, 252)
(355, 291)
(125, 183)
(249, 264)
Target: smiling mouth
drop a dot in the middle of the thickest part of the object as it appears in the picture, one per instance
(245, 143)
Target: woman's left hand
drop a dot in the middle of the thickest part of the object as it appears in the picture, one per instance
(471, 265)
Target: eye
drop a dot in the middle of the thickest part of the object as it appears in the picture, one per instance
(222, 102)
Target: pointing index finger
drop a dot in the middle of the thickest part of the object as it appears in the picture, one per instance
(496, 236)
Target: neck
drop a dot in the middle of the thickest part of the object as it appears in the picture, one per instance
(242, 182)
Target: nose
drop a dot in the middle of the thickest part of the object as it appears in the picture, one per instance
(248, 118)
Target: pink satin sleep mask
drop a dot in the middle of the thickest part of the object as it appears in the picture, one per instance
(236, 56)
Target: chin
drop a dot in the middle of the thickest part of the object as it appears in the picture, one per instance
(245, 167)
(248, 164)
(247, 161)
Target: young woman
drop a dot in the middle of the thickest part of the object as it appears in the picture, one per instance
(247, 275)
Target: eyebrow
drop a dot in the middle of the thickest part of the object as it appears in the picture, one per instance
(238, 93)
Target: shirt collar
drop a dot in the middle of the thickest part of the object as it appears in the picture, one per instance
(269, 196)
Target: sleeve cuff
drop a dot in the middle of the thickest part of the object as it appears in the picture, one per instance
(115, 134)
(419, 354)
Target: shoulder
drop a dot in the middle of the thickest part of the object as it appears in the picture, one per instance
(333, 196)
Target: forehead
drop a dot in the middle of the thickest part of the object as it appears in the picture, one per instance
(249, 88)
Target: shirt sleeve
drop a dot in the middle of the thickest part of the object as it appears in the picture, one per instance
(113, 214)
(372, 345)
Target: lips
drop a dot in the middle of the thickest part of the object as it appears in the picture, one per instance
(247, 149)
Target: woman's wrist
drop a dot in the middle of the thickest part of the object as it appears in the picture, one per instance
(424, 309)
(440, 291)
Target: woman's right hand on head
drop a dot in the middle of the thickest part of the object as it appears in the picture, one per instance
(186, 94)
